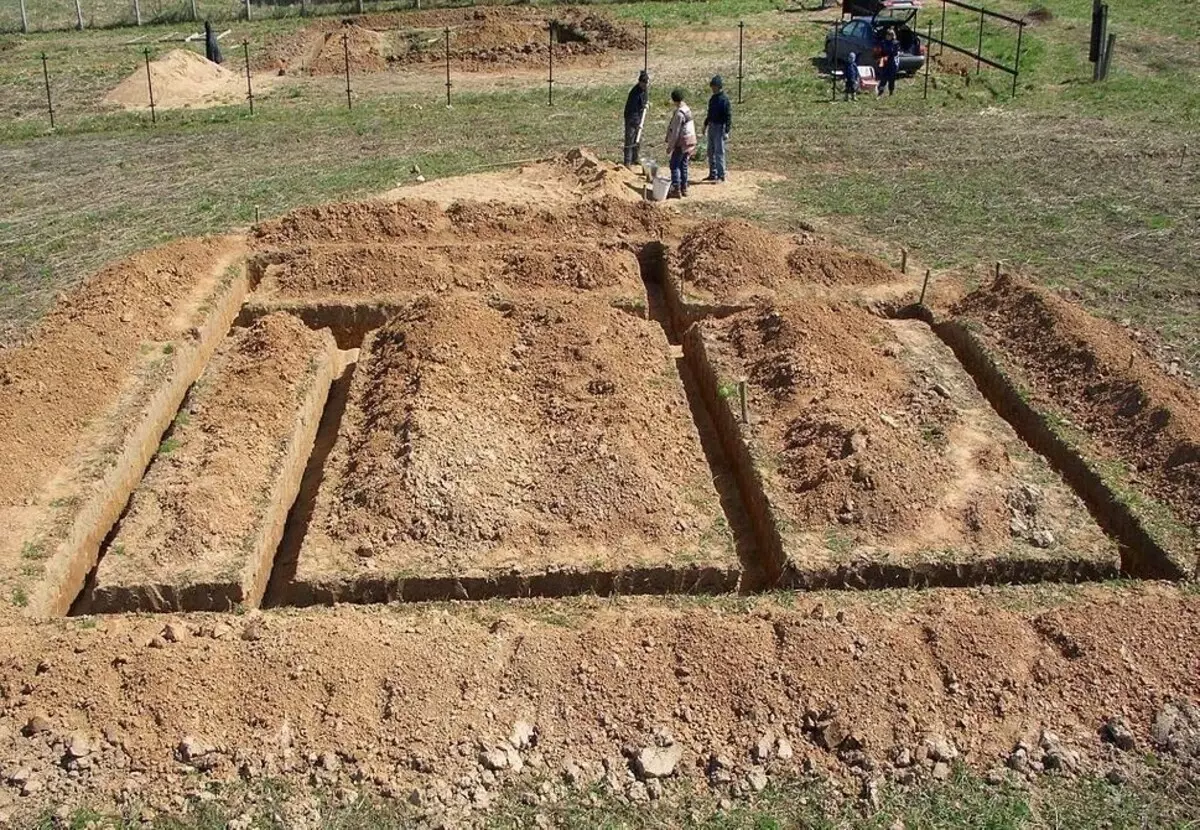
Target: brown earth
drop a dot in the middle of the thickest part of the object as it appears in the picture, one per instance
(74, 363)
(1095, 373)
(374, 271)
(869, 431)
(730, 259)
(181, 78)
(605, 217)
(191, 535)
(386, 701)
(514, 435)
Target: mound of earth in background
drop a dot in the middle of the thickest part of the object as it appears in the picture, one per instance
(181, 78)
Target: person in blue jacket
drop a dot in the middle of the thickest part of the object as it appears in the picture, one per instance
(889, 64)
(717, 124)
(852, 77)
(635, 110)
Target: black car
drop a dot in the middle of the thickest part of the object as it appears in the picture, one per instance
(863, 35)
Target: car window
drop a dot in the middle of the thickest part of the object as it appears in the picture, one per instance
(859, 29)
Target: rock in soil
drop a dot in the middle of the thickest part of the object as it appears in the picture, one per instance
(658, 761)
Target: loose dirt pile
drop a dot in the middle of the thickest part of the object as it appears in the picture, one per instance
(424, 222)
(385, 702)
(514, 435)
(1092, 371)
(181, 78)
(196, 534)
(374, 272)
(726, 257)
(842, 417)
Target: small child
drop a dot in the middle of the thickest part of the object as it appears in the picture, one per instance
(852, 77)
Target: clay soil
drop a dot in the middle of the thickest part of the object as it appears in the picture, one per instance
(370, 272)
(732, 261)
(98, 350)
(190, 538)
(515, 435)
(606, 218)
(1095, 374)
(875, 446)
(480, 39)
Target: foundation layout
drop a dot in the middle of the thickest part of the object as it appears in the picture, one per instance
(398, 402)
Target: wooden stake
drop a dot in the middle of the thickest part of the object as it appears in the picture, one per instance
(904, 260)
(997, 269)
(256, 214)
(742, 401)
(924, 286)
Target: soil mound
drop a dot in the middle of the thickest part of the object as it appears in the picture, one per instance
(723, 254)
(1097, 373)
(181, 78)
(353, 222)
(526, 424)
(851, 423)
(814, 262)
(319, 50)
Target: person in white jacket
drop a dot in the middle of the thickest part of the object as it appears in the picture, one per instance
(681, 142)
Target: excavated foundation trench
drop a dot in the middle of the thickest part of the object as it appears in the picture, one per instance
(751, 518)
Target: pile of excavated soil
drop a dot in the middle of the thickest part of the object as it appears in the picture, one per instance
(423, 221)
(1100, 377)
(382, 270)
(723, 255)
(365, 47)
(75, 362)
(726, 256)
(181, 78)
(513, 435)
(387, 701)
(196, 518)
(844, 420)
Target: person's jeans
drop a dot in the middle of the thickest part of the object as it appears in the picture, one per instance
(631, 142)
(679, 169)
(716, 151)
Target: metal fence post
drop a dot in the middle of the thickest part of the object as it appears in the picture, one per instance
(150, 88)
(646, 46)
(78, 16)
(979, 48)
(1017, 63)
(46, 77)
(137, 12)
(447, 67)
(195, 11)
(1107, 57)
(928, 57)
(24, 19)
(942, 36)
(833, 61)
(346, 52)
(550, 82)
(741, 33)
(249, 88)
(248, 16)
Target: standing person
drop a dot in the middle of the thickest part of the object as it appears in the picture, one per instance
(681, 141)
(717, 123)
(889, 64)
(211, 50)
(852, 78)
(635, 116)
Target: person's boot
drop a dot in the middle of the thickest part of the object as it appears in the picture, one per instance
(683, 191)
(673, 193)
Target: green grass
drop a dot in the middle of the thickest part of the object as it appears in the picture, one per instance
(1162, 800)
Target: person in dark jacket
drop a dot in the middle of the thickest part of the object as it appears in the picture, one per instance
(889, 64)
(211, 50)
(852, 77)
(717, 124)
(635, 116)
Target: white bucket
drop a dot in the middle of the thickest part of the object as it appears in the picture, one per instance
(658, 191)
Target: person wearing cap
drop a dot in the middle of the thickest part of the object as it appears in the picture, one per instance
(717, 124)
(635, 115)
(681, 141)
